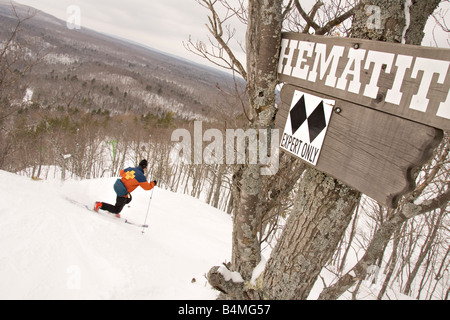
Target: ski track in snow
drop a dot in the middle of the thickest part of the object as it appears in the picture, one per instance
(51, 248)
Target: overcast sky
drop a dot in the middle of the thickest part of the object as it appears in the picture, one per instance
(161, 24)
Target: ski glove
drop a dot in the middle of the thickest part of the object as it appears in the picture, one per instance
(154, 181)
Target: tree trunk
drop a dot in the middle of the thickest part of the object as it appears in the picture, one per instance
(246, 248)
(396, 23)
(263, 40)
(263, 45)
(322, 211)
(393, 262)
(429, 241)
(216, 195)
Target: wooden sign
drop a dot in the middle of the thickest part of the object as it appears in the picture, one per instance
(411, 82)
(371, 151)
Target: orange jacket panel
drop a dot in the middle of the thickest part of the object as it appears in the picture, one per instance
(133, 178)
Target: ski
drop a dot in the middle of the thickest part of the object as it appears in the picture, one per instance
(136, 224)
(109, 215)
(113, 216)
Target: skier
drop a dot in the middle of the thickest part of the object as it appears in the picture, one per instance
(131, 178)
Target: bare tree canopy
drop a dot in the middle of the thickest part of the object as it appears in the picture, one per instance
(311, 230)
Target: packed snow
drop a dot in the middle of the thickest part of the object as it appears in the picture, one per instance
(53, 248)
(28, 96)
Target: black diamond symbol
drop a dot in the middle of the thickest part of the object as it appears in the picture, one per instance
(298, 114)
(316, 122)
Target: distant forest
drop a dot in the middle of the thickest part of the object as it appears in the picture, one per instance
(91, 104)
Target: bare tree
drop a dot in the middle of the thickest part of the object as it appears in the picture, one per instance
(16, 61)
(324, 206)
(218, 50)
(262, 46)
(433, 186)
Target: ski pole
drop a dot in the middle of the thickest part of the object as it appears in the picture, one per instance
(148, 208)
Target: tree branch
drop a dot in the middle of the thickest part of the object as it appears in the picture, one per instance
(215, 28)
(305, 16)
(384, 233)
(330, 25)
(439, 202)
(312, 14)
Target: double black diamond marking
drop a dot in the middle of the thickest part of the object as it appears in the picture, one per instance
(316, 120)
(298, 114)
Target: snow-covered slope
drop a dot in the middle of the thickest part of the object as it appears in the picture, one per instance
(51, 248)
